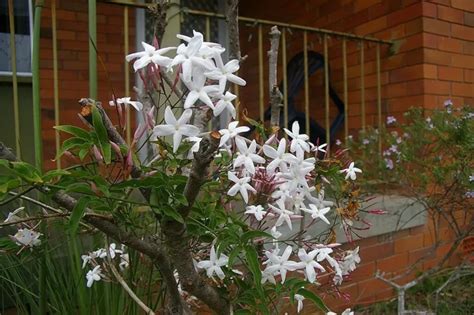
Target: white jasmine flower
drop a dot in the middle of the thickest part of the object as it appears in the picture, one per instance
(124, 261)
(276, 234)
(351, 171)
(300, 299)
(187, 56)
(195, 147)
(317, 213)
(299, 141)
(93, 275)
(241, 185)
(320, 148)
(225, 102)
(224, 73)
(214, 264)
(177, 128)
(12, 216)
(279, 265)
(257, 211)
(26, 237)
(198, 90)
(246, 155)
(231, 132)
(276, 156)
(283, 214)
(307, 261)
(150, 54)
(126, 101)
(350, 261)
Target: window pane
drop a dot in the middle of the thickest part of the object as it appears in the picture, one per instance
(22, 36)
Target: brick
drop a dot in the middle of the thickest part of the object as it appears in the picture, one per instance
(467, 5)
(437, 57)
(419, 255)
(436, 26)
(409, 243)
(429, 9)
(437, 87)
(375, 252)
(468, 19)
(369, 288)
(468, 48)
(463, 89)
(451, 15)
(463, 61)
(413, 72)
(462, 32)
(372, 26)
(450, 44)
(469, 75)
(450, 73)
(404, 15)
(394, 263)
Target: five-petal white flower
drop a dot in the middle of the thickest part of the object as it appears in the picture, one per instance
(225, 102)
(247, 156)
(93, 275)
(126, 101)
(317, 213)
(241, 185)
(214, 264)
(231, 132)
(277, 156)
(257, 211)
(177, 128)
(351, 171)
(27, 237)
(307, 261)
(150, 54)
(224, 73)
(299, 141)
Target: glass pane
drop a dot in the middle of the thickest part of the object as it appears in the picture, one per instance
(22, 36)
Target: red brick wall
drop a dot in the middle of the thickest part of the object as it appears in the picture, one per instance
(72, 34)
(434, 61)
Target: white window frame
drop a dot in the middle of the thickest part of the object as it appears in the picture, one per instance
(24, 74)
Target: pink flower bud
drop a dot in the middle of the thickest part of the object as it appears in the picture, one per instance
(98, 156)
(117, 151)
(377, 211)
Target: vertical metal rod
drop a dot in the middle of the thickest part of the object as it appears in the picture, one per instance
(379, 96)
(128, 123)
(36, 86)
(346, 105)
(326, 92)
(16, 110)
(55, 79)
(285, 78)
(306, 83)
(92, 49)
(261, 91)
(362, 85)
(208, 29)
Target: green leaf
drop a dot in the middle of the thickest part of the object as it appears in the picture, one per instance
(75, 131)
(77, 214)
(54, 173)
(253, 234)
(313, 297)
(101, 133)
(26, 171)
(172, 213)
(253, 264)
(69, 144)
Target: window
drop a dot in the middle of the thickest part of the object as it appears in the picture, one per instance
(23, 30)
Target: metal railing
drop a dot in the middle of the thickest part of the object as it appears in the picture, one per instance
(259, 25)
